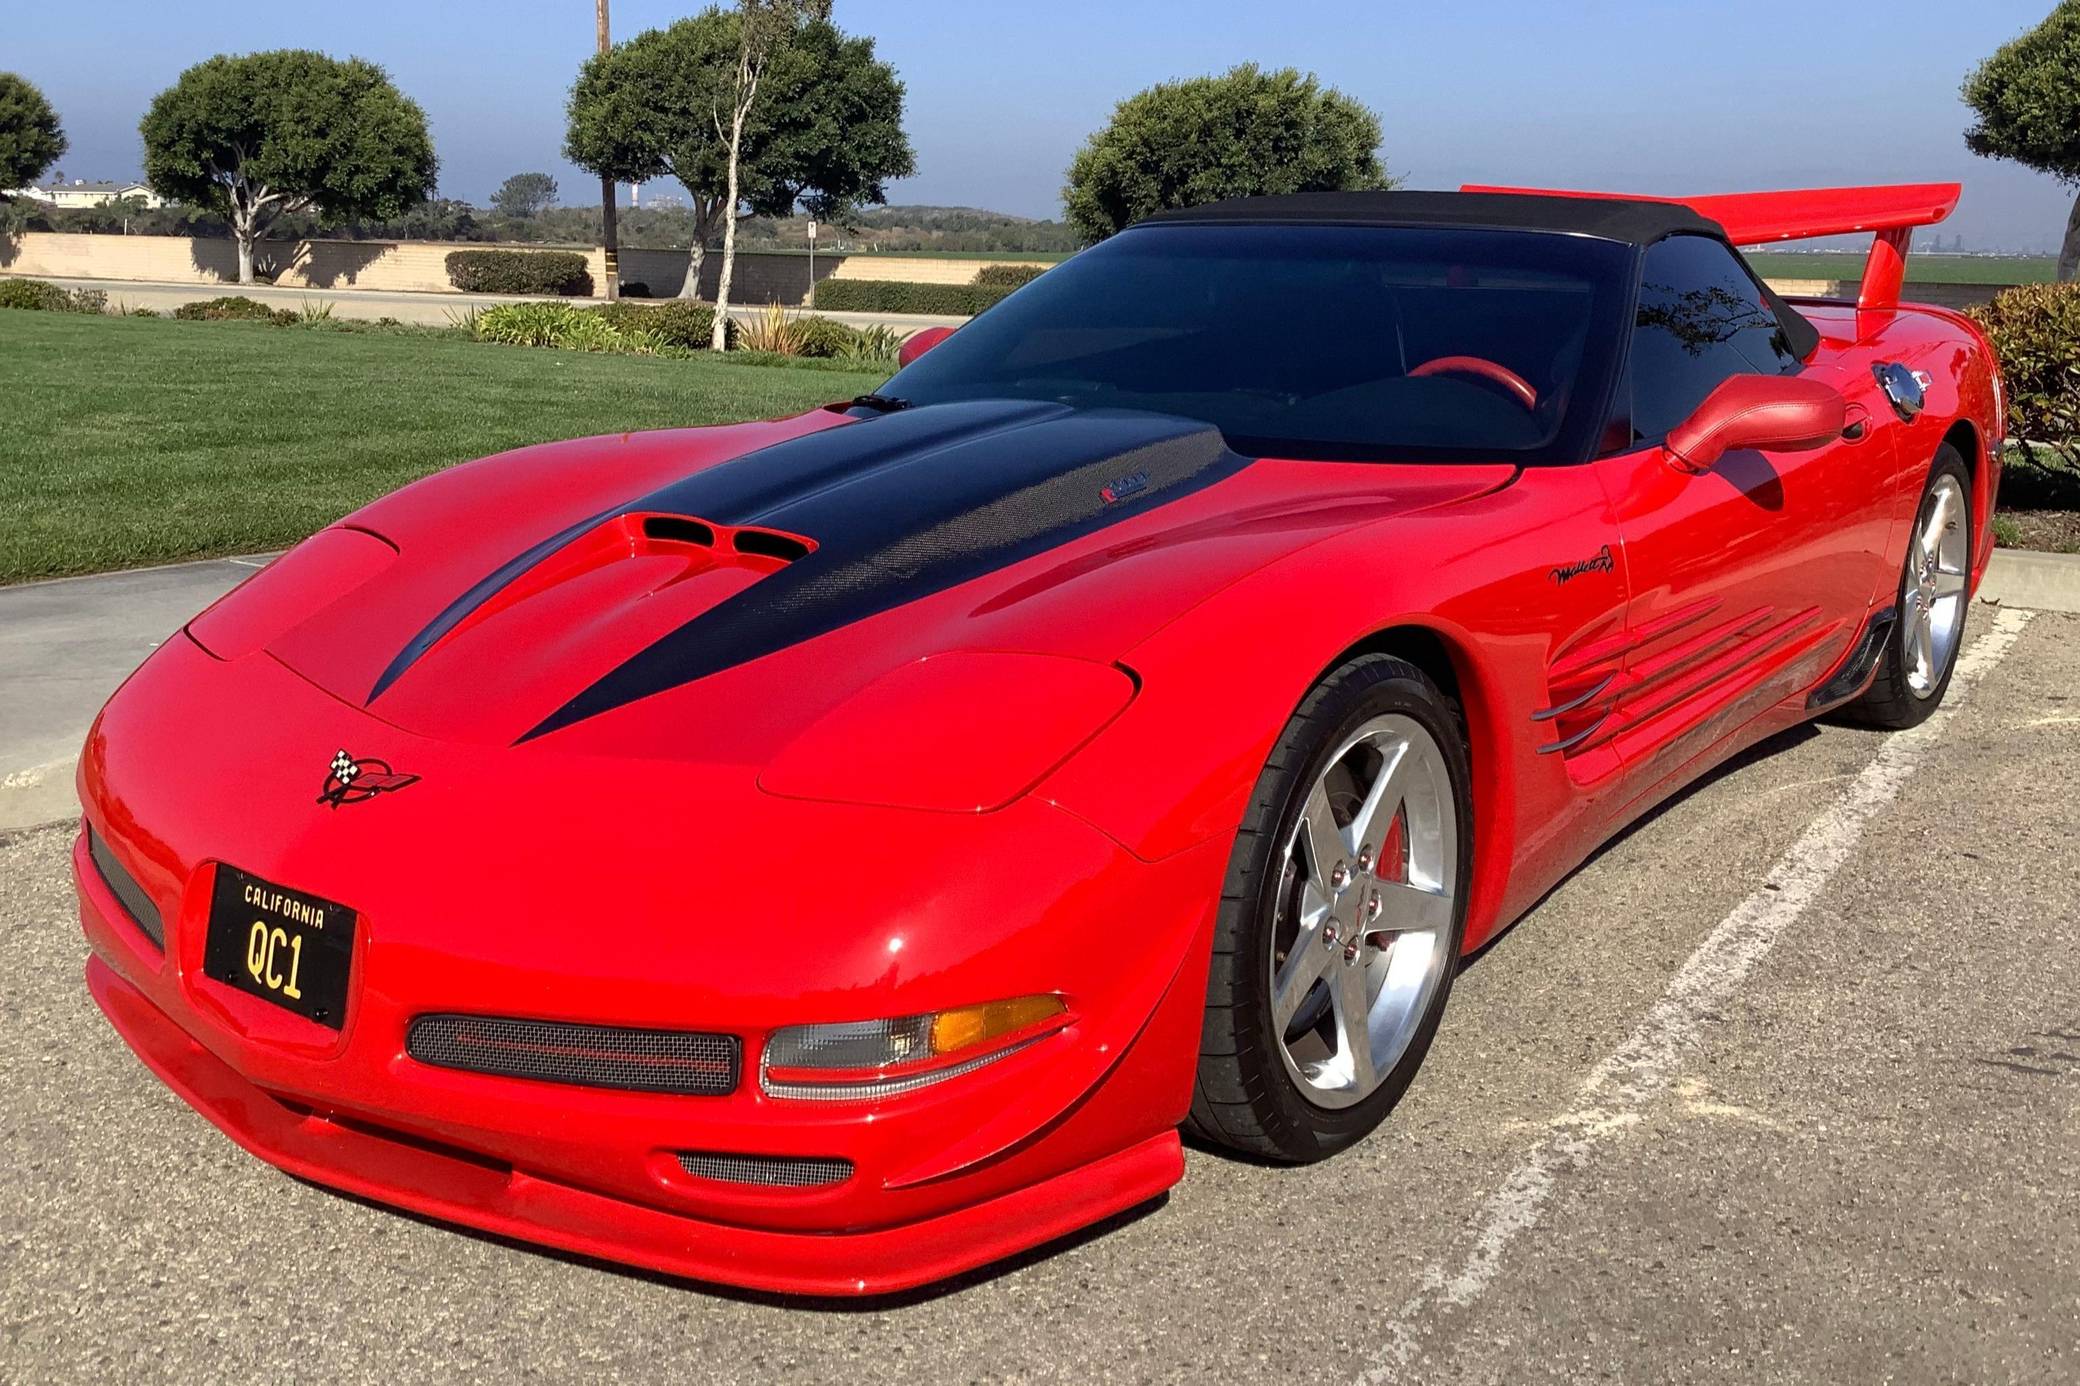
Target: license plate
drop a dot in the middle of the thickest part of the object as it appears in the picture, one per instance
(285, 946)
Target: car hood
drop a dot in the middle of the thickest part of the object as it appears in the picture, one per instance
(706, 593)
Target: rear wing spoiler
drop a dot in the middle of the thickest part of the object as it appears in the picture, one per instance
(1891, 213)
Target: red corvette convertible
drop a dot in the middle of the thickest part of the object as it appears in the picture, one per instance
(829, 854)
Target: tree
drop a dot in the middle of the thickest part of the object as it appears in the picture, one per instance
(646, 109)
(30, 139)
(263, 134)
(525, 195)
(1248, 132)
(2027, 98)
(763, 27)
(826, 130)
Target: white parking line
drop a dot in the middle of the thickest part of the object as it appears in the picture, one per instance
(1612, 1098)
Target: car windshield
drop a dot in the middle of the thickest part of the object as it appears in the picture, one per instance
(1343, 342)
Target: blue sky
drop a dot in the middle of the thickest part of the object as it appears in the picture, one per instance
(1686, 95)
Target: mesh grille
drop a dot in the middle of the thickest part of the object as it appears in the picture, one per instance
(125, 888)
(595, 1056)
(769, 1171)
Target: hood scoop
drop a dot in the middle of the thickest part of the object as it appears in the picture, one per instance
(748, 557)
(696, 546)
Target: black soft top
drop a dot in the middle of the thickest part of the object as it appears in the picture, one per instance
(1616, 219)
(1611, 218)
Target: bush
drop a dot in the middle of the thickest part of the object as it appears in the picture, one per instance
(2035, 331)
(635, 288)
(825, 337)
(572, 329)
(679, 322)
(519, 272)
(40, 297)
(900, 296)
(233, 308)
(1009, 276)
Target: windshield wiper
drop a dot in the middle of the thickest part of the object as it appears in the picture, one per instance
(881, 404)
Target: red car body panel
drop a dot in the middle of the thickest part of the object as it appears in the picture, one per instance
(1023, 781)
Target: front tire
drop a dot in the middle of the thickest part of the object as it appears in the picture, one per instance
(1340, 924)
(1921, 653)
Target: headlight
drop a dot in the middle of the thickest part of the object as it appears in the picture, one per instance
(855, 1060)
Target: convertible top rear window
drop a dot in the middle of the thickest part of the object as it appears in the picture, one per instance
(1347, 342)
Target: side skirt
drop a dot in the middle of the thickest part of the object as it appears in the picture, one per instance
(1855, 674)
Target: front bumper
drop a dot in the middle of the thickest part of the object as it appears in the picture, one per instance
(491, 1196)
(465, 907)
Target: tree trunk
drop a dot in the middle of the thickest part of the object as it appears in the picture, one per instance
(245, 253)
(720, 341)
(2069, 254)
(695, 258)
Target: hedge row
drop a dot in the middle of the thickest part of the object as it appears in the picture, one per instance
(38, 296)
(898, 296)
(519, 272)
(1009, 276)
(2035, 331)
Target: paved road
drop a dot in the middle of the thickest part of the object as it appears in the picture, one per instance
(1785, 1086)
(437, 310)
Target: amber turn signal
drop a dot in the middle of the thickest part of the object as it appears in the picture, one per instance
(953, 1031)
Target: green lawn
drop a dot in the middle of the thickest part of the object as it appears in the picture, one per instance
(127, 441)
(1928, 269)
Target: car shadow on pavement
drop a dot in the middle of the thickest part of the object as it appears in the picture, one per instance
(855, 1304)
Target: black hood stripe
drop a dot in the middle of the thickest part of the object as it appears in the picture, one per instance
(900, 506)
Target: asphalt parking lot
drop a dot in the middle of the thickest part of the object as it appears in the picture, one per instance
(1784, 1086)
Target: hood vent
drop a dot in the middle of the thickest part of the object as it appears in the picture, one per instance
(770, 543)
(678, 529)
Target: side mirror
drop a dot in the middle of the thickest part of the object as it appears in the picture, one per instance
(1787, 412)
(918, 343)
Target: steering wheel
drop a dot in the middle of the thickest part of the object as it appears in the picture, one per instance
(1518, 387)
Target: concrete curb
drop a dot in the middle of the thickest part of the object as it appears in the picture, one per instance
(38, 796)
(2041, 581)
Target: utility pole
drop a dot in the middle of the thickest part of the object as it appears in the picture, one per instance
(609, 240)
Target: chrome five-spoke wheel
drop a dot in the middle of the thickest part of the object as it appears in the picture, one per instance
(1932, 604)
(1366, 908)
(1342, 916)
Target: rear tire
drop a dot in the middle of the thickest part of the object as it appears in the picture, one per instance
(1358, 953)
(1921, 653)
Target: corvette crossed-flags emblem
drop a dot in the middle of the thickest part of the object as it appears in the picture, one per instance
(349, 780)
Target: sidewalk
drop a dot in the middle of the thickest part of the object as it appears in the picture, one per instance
(67, 644)
(430, 310)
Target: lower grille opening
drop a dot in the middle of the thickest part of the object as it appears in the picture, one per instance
(595, 1056)
(125, 888)
(767, 1171)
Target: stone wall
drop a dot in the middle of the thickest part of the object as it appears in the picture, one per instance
(421, 266)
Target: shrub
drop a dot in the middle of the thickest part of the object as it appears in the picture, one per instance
(519, 272)
(40, 297)
(874, 348)
(537, 324)
(1009, 276)
(679, 322)
(233, 308)
(2035, 331)
(825, 337)
(775, 332)
(635, 288)
(572, 329)
(900, 296)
